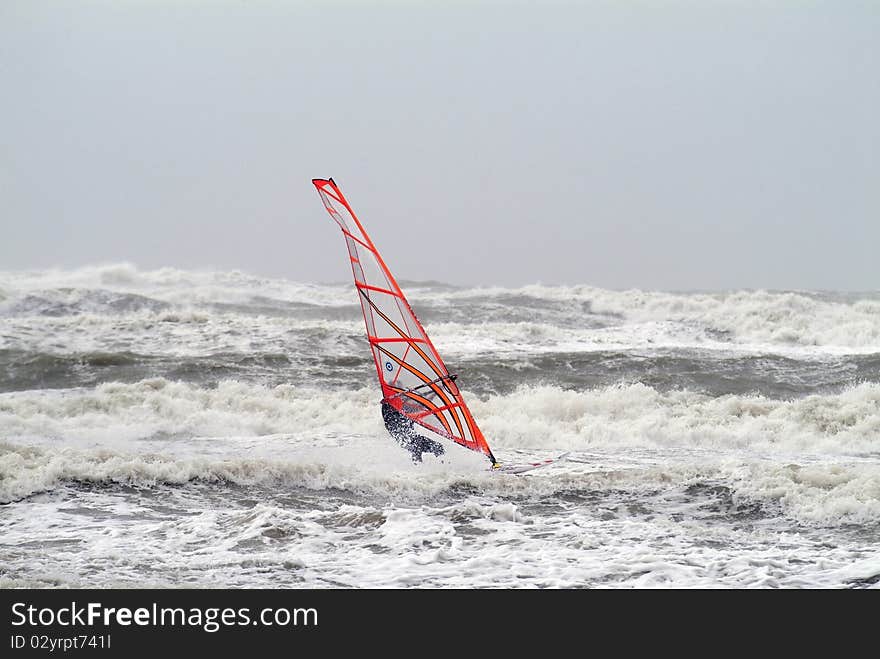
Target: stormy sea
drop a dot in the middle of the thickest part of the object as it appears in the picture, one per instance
(174, 428)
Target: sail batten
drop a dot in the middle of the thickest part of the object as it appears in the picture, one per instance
(413, 378)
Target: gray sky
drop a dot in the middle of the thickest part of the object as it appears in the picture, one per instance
(655, 144)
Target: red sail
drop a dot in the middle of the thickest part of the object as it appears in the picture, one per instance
(413, 377)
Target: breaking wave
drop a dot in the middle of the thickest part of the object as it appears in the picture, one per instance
(774, 318)
(542, 417)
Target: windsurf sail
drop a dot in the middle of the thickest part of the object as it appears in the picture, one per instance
(414, 379)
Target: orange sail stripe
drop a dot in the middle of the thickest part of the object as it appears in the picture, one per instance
(424, 378)
(357, 240)
(405, 355)
(360, 284)
(419, 415)
(399, 339)
(428, 404)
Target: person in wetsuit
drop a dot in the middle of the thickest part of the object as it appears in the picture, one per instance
(403, 430)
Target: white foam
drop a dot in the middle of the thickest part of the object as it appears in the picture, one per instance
(638, 415)
(544, 417)
(640, 527)
(127, 412)
(751, 317)
(180, 332)
(174, 285)
(815, 456)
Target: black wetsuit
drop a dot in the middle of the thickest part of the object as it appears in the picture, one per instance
(403, 430)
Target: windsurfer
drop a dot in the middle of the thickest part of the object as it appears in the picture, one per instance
(406, 360)
(402, 429)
